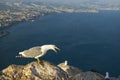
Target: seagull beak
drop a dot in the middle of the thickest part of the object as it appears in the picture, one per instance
(19, 56)
(56, 49)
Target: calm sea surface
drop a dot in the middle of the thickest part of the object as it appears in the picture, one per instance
(87, 40)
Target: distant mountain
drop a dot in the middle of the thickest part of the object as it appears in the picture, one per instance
(82, 4)
(113, 2)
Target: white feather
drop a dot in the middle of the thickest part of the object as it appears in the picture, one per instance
(22, 53)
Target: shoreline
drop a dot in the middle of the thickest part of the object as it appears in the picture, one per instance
(31, 22)
(44, 14)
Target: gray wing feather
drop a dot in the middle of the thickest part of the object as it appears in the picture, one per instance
(33, 52)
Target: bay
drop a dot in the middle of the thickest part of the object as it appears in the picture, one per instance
(87, 40)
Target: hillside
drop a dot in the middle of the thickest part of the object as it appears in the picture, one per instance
(48, 71)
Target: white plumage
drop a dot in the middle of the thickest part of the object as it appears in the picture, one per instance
(38, 51)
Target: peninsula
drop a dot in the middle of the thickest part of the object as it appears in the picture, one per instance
(21, 10)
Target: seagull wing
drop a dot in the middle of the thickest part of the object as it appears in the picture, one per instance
(33, 52)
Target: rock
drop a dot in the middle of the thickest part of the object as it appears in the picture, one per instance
(70, 70)
(88, 76)
(118, 78)
(76, 74)
(33, 71)
(113, 78)
(48, 71)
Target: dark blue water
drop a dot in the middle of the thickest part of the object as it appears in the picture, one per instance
(87, 40)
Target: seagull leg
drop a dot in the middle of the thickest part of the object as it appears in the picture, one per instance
(38, 61)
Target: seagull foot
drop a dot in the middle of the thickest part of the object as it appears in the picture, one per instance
(39, 62)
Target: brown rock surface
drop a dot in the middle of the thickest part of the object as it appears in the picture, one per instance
(48, 71)
(70, 70)
(76, 74)
(33, 71)
(88, 76)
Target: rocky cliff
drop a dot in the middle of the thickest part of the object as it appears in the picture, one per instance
(47, 71)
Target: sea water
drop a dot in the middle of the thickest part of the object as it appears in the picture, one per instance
(87, 40)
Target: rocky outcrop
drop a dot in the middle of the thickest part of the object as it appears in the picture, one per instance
(48, 71)
(33, 71)
(76, 74)
(70, 70)
(88, 76)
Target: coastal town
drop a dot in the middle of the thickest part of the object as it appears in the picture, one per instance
(12, 12)
(16, 12)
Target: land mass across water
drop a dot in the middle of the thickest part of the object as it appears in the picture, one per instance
(16, 11)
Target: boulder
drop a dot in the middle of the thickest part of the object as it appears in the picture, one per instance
(33, 71)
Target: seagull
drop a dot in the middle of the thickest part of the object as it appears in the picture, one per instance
(66, 63)
(38, 51)
(107, 76)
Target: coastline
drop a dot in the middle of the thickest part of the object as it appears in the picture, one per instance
(18, 23)
(33, 17)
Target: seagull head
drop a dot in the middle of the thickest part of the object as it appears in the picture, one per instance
(50, 47)
(54, 48)
(21, 54)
